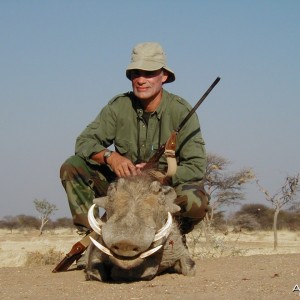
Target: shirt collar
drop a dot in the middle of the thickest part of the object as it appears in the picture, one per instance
(162, 106)
(159, 110)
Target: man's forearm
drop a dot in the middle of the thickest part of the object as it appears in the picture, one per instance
(100, 158)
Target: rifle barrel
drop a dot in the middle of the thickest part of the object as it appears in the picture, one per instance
(161, 149)
(197, 104)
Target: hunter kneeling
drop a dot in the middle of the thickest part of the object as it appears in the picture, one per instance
(137, 124)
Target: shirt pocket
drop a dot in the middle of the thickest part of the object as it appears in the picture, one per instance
(125, 148)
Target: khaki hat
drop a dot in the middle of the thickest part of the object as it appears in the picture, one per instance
(149, 56)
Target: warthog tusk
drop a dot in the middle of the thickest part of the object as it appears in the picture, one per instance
(100, 247)
(165, 230)
(150, 252)
(96, 226)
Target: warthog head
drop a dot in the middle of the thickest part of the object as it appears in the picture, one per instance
(138, 224)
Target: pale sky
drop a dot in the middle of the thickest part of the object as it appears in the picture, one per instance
(62, 61)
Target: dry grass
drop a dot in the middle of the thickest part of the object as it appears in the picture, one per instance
(28, 247)
(205, 242)
(209, 244)
(22, 248)
(37, 258)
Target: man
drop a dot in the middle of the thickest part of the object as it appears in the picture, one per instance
(137, 123)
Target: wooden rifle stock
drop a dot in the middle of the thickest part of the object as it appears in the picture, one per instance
(70, 257)
(171, 142)
(74, 254)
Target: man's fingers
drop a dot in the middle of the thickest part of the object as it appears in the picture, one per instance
(133, 170)
(125, 170)
(140, 166)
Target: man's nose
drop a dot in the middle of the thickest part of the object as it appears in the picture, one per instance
(140, 79)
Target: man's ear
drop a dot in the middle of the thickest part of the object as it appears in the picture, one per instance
(165, 76)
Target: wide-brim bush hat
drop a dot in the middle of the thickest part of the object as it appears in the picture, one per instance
(149, 56)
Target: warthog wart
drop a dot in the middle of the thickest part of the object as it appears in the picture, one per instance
(139, 238)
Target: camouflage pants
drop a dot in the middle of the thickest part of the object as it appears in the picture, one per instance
(83, 182)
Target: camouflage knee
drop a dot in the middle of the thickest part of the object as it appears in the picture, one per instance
(75, 180)
(82, 184)
(194, 203)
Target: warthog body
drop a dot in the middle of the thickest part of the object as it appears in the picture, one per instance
(136, 241)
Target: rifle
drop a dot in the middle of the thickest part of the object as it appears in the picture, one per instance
(169, 147)
(74, 254)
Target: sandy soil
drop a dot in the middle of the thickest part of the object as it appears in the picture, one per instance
(255, 275)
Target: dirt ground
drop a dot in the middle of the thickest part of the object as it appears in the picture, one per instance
(259, 276)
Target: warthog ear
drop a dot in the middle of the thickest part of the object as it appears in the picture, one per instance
(170, 196)
(113, 186)
(155, 186)
(121, 181)
(101, 202)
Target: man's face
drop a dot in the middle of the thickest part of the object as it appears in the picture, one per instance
(147, 85)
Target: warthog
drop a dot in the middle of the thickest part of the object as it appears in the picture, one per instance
(139, 238)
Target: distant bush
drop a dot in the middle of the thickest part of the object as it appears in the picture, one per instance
(30, 222)
(264, 215)
(9, 222)
(25, 221)
(19, 222)
(63, 223)
(289, 220)
(245, 221)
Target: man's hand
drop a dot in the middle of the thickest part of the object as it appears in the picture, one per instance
(122, 166)
(141, 165)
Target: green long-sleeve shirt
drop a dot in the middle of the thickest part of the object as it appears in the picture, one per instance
(121, 123)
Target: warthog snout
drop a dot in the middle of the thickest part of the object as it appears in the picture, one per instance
(125, 248)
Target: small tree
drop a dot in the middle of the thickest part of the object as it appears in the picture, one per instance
(45, 209)
(286, 195)
(223, 187)
(9, 222)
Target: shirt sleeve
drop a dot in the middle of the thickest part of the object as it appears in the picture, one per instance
(97, 136)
